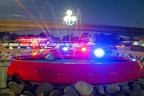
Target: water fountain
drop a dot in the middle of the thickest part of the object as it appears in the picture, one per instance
(69, 65)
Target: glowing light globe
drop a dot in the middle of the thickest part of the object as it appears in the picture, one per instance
(69, 12)
(99, 52)
(73, 18)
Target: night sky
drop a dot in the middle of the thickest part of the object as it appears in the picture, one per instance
(107, 12)
(104, 12)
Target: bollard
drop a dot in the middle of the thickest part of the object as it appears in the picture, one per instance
(3, 72)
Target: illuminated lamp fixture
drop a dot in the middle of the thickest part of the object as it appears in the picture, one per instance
(65, 49)
(34, 53)
(83, 49)
(99, 52)
(19, 47)
(69, 20)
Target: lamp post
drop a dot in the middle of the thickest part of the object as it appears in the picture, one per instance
(70, 20)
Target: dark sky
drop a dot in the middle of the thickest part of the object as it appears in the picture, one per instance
(105, 12)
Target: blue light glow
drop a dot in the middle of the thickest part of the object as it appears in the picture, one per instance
(28, 47)
(99, 52)
(133, 59)
(48, 42)
(65, 48)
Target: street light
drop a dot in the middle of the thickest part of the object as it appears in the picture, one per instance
(70, 20)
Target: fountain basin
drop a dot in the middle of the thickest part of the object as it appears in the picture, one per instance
(70, 70)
